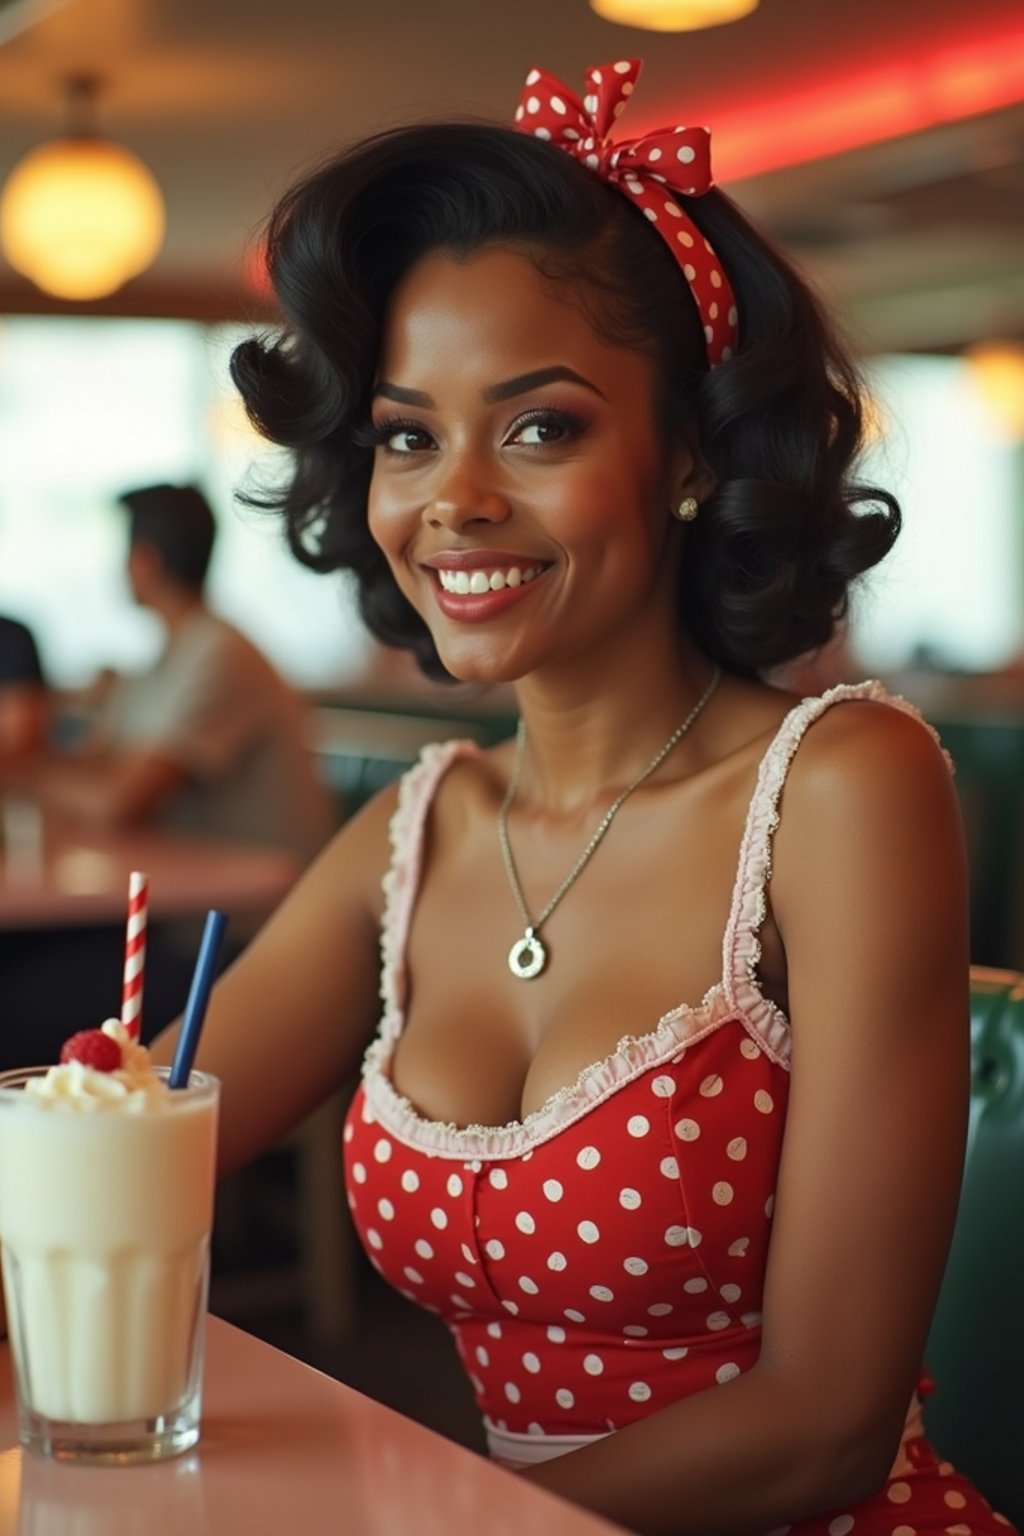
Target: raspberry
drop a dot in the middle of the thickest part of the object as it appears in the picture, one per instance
(93, 1049)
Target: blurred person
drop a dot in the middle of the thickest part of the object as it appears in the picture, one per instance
(209, 740)
(24, 703)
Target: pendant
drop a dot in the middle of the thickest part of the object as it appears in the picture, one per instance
(527, 957)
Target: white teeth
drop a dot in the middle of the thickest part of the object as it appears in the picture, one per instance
(480, 581)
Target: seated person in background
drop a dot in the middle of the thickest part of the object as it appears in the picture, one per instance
(210, 739)
(23, 697)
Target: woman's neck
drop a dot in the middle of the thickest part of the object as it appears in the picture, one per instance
(587, 738)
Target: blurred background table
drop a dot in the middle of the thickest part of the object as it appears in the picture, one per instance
(54, 876)
(283, 1448)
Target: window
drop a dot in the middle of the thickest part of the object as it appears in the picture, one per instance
(92, 407)
(951, 591)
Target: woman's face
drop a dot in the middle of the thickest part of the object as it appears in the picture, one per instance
(520, 488)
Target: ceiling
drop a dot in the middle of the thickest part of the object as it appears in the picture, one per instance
(919, 239)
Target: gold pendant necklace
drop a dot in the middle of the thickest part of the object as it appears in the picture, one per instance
(528, 956)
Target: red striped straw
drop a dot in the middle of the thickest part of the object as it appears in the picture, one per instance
(135, 952)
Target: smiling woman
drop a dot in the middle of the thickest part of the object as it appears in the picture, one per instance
(556, 475)
(768, 565)
(679, 1168)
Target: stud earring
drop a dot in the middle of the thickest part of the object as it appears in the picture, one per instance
(687, 509)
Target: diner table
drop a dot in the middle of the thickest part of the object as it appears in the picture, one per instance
(284, 1450)
(54, 875)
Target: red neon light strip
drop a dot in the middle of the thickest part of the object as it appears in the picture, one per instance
(907, 96)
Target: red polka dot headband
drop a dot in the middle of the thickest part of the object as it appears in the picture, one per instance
(678, 159)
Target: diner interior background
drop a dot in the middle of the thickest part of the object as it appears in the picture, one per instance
(880, 141)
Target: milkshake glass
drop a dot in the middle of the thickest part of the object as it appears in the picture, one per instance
(105, 1214)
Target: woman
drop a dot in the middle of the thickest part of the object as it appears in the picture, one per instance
(684, 1204)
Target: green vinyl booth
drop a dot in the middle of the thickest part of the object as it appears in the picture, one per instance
(976, 1346)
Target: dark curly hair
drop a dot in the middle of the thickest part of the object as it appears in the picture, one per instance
(768, 563)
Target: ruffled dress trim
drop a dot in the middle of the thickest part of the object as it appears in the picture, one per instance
(736, 998)
(402, 880)
(741, 951)
(634, 1056)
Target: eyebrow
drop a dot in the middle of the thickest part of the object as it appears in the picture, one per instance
(494, 393)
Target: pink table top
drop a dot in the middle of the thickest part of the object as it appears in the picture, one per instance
(67, 878)
(285, 1451)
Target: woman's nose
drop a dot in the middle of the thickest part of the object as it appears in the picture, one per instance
(466, 495)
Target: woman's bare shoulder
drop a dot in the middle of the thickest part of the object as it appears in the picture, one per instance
(868, 796)
(453, 792)
(357, 856)
(472, 784)
(868, 746)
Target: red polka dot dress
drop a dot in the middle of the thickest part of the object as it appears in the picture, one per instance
(606, 1256)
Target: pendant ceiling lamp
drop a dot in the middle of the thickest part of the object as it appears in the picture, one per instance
(673, 15)
(80, 215)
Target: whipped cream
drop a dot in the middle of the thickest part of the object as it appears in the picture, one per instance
(134, 1088)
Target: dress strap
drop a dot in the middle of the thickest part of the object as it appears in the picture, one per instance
(401, 882)
(742, 945)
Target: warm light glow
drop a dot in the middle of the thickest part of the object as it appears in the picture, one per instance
(673, 15)
(80, 216)
(254, 270)
(875, 422)
(996, 370)
(928, 86)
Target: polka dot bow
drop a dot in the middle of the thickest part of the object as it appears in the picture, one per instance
(646, 170)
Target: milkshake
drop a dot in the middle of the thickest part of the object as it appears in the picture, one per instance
(106, 1202)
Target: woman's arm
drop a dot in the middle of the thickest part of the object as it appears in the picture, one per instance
(289, 1021)
(869, 893)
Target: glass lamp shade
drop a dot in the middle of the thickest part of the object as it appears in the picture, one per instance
(673, 15)
(80, 216)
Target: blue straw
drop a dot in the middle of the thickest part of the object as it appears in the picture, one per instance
(198, 997)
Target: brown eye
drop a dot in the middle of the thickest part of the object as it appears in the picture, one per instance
(541, 432)
(543, 428)
(406, 440)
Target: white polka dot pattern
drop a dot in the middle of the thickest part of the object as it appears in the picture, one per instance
(558, 1250)
(678, 159)
(595, 1272)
